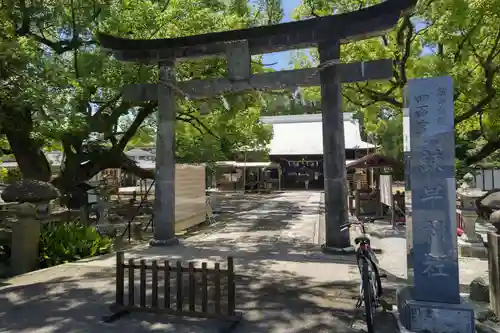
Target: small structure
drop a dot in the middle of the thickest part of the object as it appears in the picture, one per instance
(297, 146)
(369, 173)
(247, 176)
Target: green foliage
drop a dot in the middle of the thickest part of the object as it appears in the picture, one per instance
(59, 90)
(9, 175)
(460, 38)
(66, 242)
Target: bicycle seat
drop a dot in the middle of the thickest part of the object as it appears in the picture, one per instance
(361, 239)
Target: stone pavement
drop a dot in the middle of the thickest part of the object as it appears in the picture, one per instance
(284, 282)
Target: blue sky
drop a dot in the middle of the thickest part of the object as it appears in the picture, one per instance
(282, 58)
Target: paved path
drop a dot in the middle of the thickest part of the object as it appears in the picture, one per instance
(284, 282)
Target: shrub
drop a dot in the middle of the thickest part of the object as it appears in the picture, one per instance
(66, 242)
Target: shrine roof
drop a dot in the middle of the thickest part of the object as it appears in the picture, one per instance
(374, 161)
(303, 134)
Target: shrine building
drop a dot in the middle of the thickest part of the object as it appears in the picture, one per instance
(297, 145)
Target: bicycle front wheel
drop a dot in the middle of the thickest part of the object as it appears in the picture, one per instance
(368, 295)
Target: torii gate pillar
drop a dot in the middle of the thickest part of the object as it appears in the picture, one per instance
(334, 161)
(164, 204)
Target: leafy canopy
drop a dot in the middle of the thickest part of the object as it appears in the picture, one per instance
(58, 90)
(460, 38)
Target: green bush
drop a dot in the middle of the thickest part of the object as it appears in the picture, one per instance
(8, 176)
(66, 242)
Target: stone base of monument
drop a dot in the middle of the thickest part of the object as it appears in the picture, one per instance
(419, 316)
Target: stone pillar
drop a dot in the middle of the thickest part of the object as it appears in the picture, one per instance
(25, 240)
(433, 304)
(164, 204)
(334, 167)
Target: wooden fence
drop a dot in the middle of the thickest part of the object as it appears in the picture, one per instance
(183, 291)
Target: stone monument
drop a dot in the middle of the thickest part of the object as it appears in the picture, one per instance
(433, 303)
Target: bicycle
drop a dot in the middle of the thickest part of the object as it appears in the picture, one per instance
(370, 285)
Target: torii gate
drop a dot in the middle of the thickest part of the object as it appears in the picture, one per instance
(327, 33)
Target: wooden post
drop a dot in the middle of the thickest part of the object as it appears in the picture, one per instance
(204, 288)
(192, 288)
(142, 284)
(131, 283)
(217, 288)
(179, 286)
(166, 285)
(393, 212)
(231, 292)
(154, 283)
(357, 203)
(379, 202)
(120, 278)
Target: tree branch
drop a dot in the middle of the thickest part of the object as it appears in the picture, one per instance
(380, 97)
(131, 167)
(489, 77)
(196, 123)
(465, 39)
(485, 151)
(143, 113)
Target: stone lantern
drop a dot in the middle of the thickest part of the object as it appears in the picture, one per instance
(34, 199)
(34, 192)
(472, 244)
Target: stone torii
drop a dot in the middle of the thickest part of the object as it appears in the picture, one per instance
(327, 33)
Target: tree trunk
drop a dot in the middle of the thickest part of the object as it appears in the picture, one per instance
(29, 156)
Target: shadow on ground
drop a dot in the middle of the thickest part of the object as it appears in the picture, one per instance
(288, 303)
(282, 284)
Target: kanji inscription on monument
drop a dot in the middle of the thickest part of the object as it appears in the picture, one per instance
(433, 303)
(433, 190)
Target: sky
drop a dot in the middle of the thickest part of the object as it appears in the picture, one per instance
(282, 58)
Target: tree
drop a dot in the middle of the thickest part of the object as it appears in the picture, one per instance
(460, 38)
(58, 89)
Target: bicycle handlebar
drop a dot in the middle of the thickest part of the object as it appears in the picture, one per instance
(350, 224)
(361, 221)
